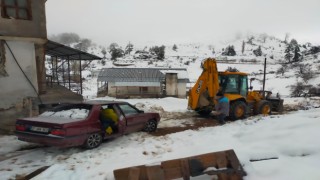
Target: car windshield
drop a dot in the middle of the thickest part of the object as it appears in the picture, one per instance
(68, 111)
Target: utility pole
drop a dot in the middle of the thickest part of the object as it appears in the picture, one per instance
(264, 76)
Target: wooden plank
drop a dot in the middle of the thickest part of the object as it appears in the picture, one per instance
(185, 169)
(172, 173)
(222, 161)
(34, 173)
(235, 163)
(155, 172)
(134, 173)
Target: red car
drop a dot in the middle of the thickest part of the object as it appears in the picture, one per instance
(83, 124)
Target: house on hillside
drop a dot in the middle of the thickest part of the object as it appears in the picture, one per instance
(24, 88)
(142, 82)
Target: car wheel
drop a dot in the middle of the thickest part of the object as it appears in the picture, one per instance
(93, 141)
(150, 126)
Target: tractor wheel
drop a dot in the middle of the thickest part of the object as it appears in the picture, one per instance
(263, 107)
(237, 110)
(93, 141)
(205, 112)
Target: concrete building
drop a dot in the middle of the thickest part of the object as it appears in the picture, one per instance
(23, 48)
(23, 35)
(142, 82)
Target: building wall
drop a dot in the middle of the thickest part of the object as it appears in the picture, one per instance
(15, 86)
(18, 98)
(182, 90)
(171, 84)
(131, 91)
(35, 28)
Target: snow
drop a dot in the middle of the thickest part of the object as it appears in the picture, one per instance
(70, 114)
(288, 141)
(291, 138)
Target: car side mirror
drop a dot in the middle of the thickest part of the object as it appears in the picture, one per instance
(141, 111)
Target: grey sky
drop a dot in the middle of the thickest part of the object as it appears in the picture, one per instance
(183, 21)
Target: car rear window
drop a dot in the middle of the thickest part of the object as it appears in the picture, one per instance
(69, 111)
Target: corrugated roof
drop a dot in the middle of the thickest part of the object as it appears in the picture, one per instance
(130, 75)
(59, 50)
(141, 84)
(140, 74)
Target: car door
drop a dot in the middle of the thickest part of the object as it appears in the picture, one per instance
(135, 119)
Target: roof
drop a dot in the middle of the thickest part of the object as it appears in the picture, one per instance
(59, 50)
(231, 73)
(145, 76)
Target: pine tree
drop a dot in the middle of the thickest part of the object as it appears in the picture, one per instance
(129, 48)
(297, 56)
(174, 47)
(288, 54)
(257, 51)
(229, 51)
(243, 47)
(158, 51)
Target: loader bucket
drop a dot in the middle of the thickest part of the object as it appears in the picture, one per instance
(224, 165)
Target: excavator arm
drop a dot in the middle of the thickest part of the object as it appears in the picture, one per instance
(202, 94)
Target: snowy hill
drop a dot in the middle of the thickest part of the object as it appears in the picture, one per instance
(190, 56)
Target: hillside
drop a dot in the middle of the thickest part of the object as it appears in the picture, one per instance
(305, 71)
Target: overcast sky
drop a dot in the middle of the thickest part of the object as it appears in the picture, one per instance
(183, 21)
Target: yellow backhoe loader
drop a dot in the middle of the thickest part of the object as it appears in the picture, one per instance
(243, 100)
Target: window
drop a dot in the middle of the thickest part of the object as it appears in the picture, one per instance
(2, 60)
(16, 9)
(128, 110)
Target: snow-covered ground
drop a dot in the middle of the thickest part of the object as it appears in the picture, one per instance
(291, 138)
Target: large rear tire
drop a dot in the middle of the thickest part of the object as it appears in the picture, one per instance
(263, 107)
(205, 112)
(237, 110)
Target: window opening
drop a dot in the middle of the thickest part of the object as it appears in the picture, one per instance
(16, 9)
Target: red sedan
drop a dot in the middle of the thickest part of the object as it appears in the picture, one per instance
(85, 124)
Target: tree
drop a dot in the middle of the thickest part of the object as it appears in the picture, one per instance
(257, 51)
(66, 38)
(104, 52)
(83, 45)
(229, 51)
(314, 50)
(129, 48)
(158, 51)
(298, 89)
(292, 51)
(286, 38)
(115, 51)
(296, 55)
(232, 69)
(305, 72)
(174, 47)
(243, 47)
(288, 55)
(113, 46)
(282, 69)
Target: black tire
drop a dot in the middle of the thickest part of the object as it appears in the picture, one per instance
(93, 141)
(150, 126)
(237, 110)
(263, 107)
(204, 112)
